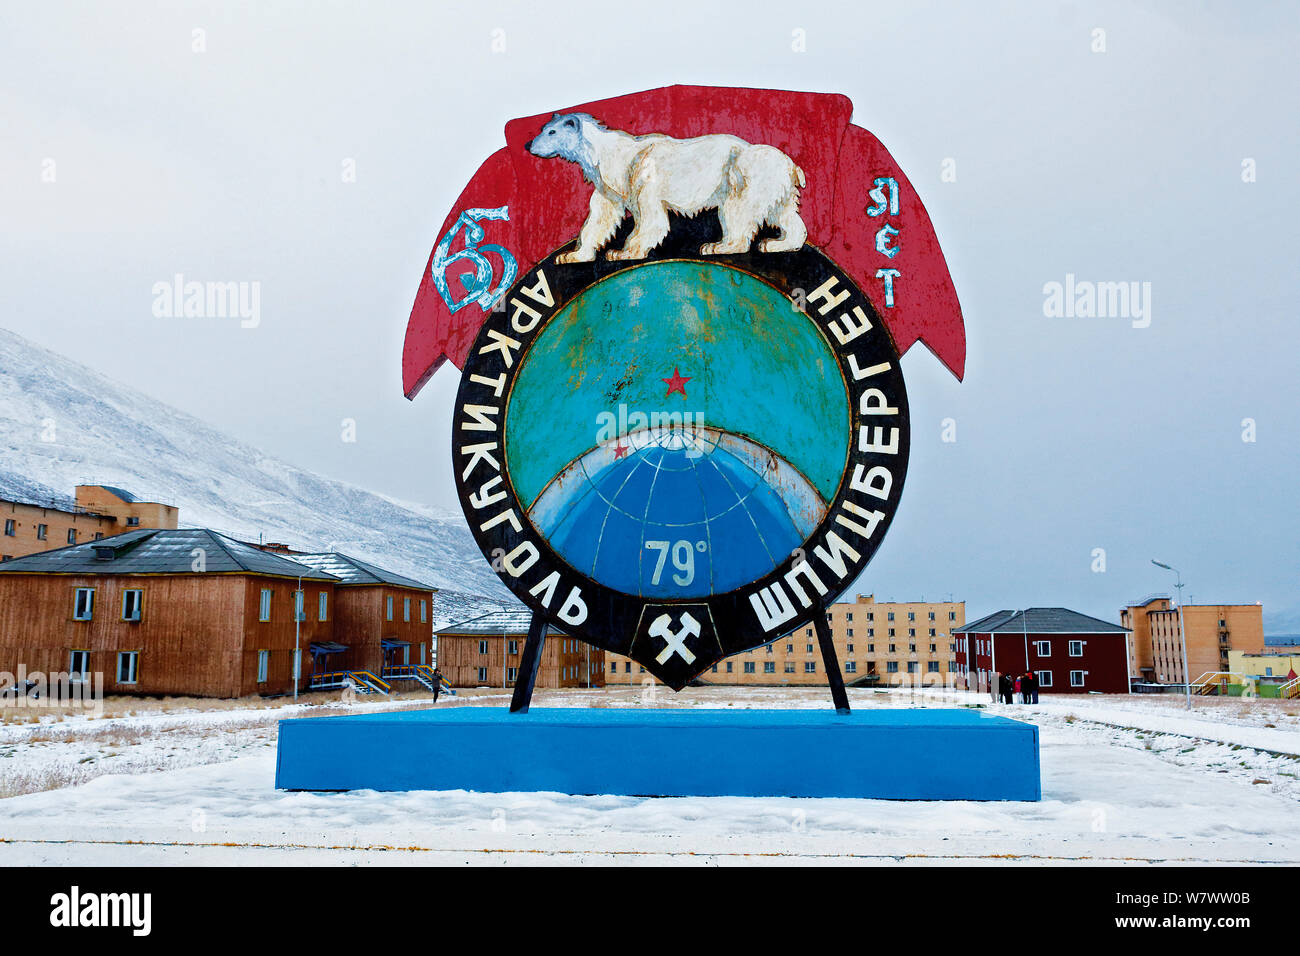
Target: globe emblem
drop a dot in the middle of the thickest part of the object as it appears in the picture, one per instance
(677, 430)
(678, 512)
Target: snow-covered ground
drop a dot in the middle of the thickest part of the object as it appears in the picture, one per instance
(1125, 780)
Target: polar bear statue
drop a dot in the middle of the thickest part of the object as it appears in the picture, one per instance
(651, 175)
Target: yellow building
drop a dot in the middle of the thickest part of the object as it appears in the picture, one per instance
(877, 643)
(98, 511)
(1267, 666)
(1214, 631)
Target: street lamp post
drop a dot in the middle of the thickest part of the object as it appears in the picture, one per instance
(1182, 627)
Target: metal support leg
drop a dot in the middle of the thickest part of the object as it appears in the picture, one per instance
(528, 664)
(832, 664)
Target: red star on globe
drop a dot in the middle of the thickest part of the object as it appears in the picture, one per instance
(677, 383)
(620, 450)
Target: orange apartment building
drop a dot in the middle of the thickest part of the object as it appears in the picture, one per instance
(1213, 630)
(882, 643)
(485, 652)
(98, 511)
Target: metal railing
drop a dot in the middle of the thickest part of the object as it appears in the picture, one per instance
(1211, 681)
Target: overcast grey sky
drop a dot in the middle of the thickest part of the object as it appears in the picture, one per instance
(1073, 434)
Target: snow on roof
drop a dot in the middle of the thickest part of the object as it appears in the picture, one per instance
(352, 570)
(166, 551)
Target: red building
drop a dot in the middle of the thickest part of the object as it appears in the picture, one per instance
(1071, 653)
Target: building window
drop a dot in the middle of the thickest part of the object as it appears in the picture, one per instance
(850, 632)
(132, 602)
(128, 666)
(482, 647)
(263, 665)
(133, 522)
(931, 632)
(789, 648)
(952, 615)
(482, 675)
(911, 667)
(512, 674)
(769, 667)
(789, 667)
(98, 535)
(1076, 678)
(613, 667)
(891, 667)
(809, 650)
(627, 668)
(424, 612)
(810, 667)
(78, 665)
(932, 667)
(299, 611)
(323, 606)
(41, 530)
(911, 632)
(730, 668)
(891, 615)
(514, 647)
(72, 536)
(1043, 648)
(9, 527)
(1076, 648)
(406, 609)
(932, 615)
(388, 607)
(849, 616)
(850, 667)
(849, 649)
(83, 608)
(749, 667)
(911, 615)
(264, 605)
(1044, 678)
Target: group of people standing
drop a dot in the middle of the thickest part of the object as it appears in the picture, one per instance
(1017, 688)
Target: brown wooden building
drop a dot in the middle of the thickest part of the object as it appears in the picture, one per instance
(382, 618)
(192, 612)
(485, 652)
(43, 523)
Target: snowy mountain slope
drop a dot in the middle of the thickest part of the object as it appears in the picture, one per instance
(62, 423)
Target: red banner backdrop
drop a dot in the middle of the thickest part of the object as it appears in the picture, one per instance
(859, 208)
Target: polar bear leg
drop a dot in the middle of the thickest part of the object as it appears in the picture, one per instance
(793, 232)
(651, 228)
(603, 217)
(739, 220)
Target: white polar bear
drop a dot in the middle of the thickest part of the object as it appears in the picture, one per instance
(651, 175)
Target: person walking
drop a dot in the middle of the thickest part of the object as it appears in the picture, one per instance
(1032, 678)
(1016, 689)
(437, 684)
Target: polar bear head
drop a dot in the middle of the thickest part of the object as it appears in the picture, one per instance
(567, 136)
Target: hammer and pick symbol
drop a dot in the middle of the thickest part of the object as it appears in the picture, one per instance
(675, 641)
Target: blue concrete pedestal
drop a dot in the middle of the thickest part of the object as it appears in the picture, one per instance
(888, 754)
